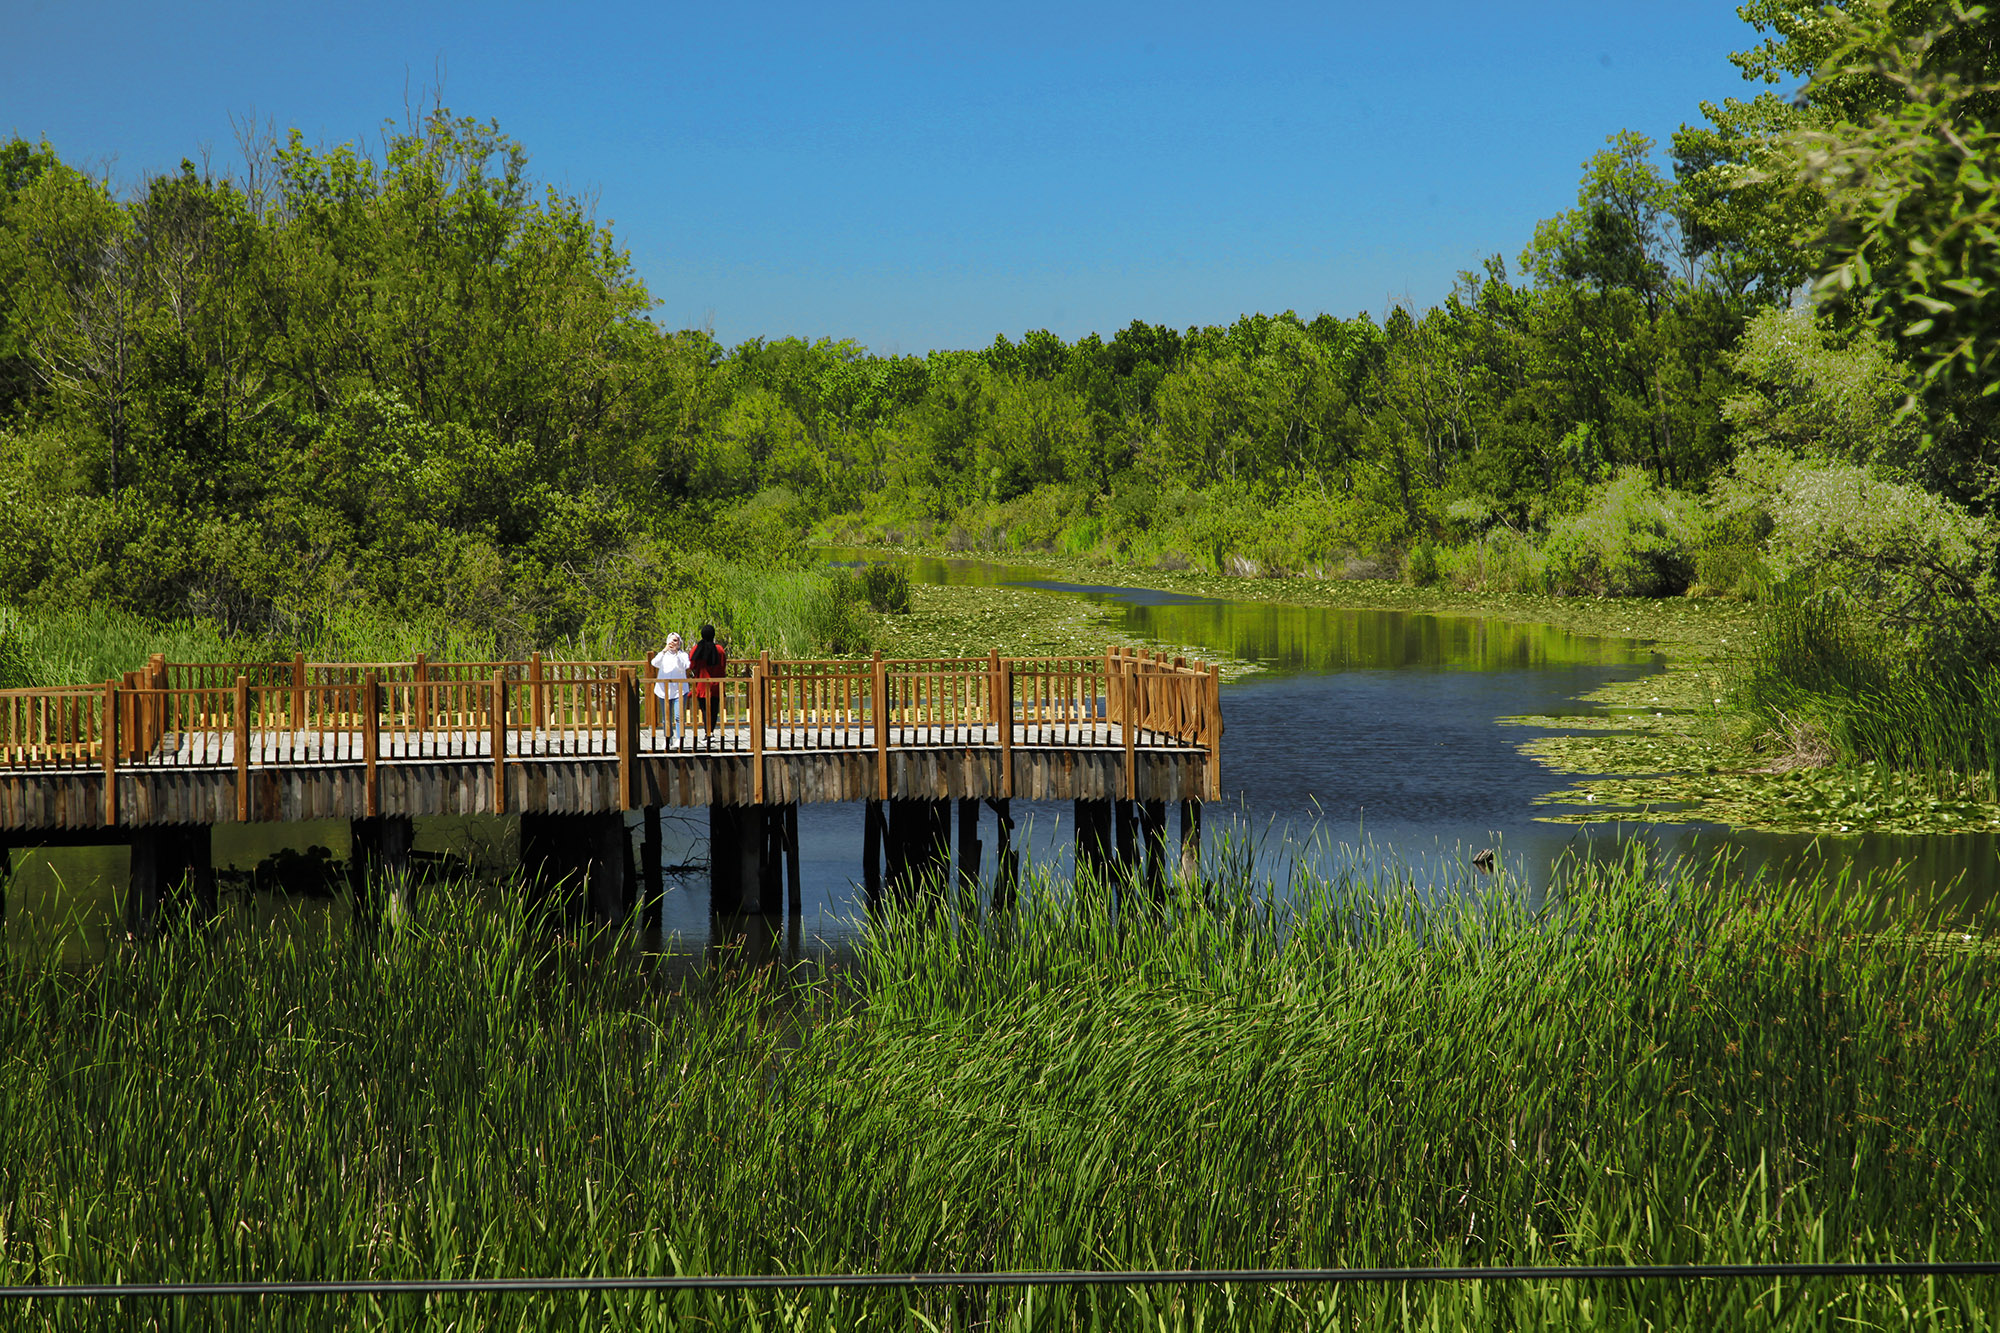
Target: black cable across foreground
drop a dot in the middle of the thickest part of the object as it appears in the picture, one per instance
(1146, 1278)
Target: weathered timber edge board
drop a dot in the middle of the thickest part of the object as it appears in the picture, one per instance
(74, 799)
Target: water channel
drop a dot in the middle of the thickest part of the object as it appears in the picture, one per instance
(1362, 739)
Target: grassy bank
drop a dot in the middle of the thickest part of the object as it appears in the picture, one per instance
(1647, 1070)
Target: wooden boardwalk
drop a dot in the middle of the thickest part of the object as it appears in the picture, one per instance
(206, 743)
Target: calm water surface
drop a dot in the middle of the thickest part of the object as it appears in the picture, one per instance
(1366, 739)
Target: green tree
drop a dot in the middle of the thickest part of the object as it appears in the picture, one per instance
(1913, 198)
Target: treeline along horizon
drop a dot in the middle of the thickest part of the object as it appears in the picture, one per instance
(416, 381)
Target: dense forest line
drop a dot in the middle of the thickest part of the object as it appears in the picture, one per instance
(413, 385)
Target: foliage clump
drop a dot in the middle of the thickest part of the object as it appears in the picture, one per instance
(886, 587)
(1634, 539)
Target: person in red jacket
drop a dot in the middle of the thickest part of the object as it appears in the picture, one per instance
(705, 665)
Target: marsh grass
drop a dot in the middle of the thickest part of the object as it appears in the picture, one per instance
(1647, 1067)
(1834, 690)
(791, 612)
(87, 644)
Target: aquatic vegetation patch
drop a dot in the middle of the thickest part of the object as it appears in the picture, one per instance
(1623, 1065)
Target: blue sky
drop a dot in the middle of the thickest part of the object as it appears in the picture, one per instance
(919, 176)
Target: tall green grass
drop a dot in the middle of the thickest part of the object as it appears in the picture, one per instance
(791, 612)
(1825, 679)
(1648, 1068)
(88, 644)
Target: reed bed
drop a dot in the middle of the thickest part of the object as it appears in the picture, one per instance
(1638, 1066)
(1833, 689)
(90, 644)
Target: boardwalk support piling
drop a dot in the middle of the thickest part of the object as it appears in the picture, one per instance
(628, 740)
(610, 856)
(649, 864)
(1007, 865)
(919, 845)
(736, 836)
(793, 895)
(1003, 719)
(771, 867)
(871, 851)
(243, 753)
(1153, 833)
(378, 862)
(968, 843)
(1093, 838)
(583, 856)
(142, 891)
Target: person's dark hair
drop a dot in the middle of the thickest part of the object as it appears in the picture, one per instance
(708, 634)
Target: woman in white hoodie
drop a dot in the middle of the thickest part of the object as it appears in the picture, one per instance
(670, 674)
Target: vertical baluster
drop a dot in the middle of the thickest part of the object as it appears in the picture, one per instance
(626, 705)
(499, 742)
(756, 707)
(107, 743)
(1128, 689)
(421, 723)
(243, 749)
(1004, 717)
(371, 743)
(881, 687)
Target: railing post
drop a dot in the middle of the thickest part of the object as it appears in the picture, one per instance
(371, 744)
(758, 681)
(128, 731)
(1111, 683)
(107, 744)
(628, 739)
(299, 691)
(1212, 725)
(156, 708)
(881, 728)
(772, 718)
(243, 749)
(1004, 707)
(422, 688)
(1129, 687)
(500, 735)
(538, 711)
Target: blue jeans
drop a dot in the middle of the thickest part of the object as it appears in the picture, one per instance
(672, 719)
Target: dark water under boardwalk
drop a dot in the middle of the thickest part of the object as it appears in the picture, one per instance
(1367, 739)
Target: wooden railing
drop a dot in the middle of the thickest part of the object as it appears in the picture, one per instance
(264, 714)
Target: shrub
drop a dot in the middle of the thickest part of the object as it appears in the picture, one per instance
(1919, 563)
(1634, 539)
(1501, 561)
(885, 587)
